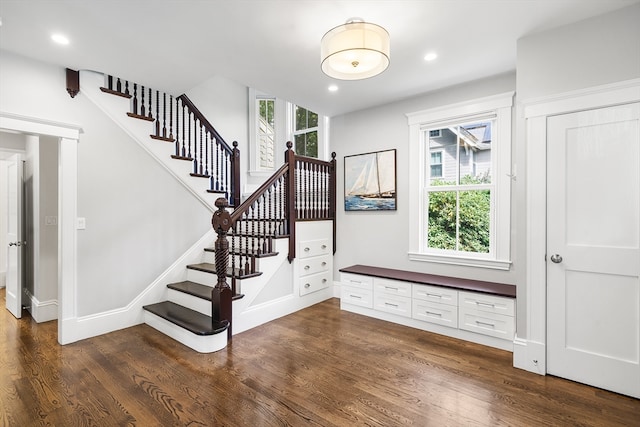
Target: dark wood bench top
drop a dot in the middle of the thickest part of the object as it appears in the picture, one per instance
(500, 289)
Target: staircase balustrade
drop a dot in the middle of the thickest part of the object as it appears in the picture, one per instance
(195, 139)
(303, 189)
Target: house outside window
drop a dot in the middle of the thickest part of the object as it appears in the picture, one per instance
(460, 162)
(305, 132)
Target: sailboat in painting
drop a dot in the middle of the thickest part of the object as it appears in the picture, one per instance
(374, 187)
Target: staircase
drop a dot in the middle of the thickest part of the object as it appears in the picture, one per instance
(252, 236)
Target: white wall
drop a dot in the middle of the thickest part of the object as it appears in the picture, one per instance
(382, 238)
(139, 219)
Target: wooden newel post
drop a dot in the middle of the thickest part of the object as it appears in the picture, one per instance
(235, 170)
(221, 295)
(290, 199)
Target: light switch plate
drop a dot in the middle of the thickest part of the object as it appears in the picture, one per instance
(81, 223)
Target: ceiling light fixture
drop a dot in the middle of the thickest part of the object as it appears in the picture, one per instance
(60, 39)
(430, 56)
(355, 50)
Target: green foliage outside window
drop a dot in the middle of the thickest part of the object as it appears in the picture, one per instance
(472, 221)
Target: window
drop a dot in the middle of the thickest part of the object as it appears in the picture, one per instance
(265, 112)
(436, 164)
(305, 132)
(460, 183)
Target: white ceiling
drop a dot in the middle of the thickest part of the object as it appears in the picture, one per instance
(274, 45)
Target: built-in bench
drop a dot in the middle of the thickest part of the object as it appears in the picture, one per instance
(473, 310)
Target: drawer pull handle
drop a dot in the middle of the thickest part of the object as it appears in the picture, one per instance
(324, 280)
(306, 267)
(479, 323)
(355, 281)
(485, 304)
(355, 296)
(391, 305)
(306, 249)
(391, 287)
(434, 295)
(432, 313)
(324, 263)
(307, 285)
(324, 246)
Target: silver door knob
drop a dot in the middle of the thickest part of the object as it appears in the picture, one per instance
(556, 258)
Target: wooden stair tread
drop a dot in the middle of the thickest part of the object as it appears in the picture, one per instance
(248, 253)
(207, 267)
(141, 117)
(197, 290)
(115, 92)
(192, 288)
(193, 321)
(162, 138)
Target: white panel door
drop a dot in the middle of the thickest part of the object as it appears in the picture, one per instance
(593, 255)
(14, 237)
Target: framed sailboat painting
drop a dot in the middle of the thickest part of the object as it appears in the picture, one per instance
(370, 181)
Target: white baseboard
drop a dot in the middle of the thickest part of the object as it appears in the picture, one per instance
(529, 355)
(43, 311)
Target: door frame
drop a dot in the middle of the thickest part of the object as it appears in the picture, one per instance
(530, 346)
(68, 136)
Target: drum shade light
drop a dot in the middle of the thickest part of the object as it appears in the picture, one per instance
(355, 50)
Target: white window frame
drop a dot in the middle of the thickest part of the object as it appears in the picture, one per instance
(323, 131)
(499, 106)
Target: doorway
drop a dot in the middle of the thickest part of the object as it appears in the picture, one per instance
(66, 137)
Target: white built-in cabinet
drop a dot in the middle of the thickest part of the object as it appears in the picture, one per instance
(473, 316)
(314, 256)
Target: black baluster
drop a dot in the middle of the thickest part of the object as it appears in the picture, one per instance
(157, 111)
(135, 98)
(150, 109)
(171, 117)
(164, 115)
(142, 107)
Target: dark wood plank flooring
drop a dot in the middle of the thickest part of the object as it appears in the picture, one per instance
(318, 367)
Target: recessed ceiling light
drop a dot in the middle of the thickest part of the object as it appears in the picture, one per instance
(333, 88)
(430, 56)
(60, 39)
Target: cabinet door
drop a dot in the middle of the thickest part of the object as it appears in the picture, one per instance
(356, 281)
(487, 303)
(392, 304)
(314, 265)
(356, 296)
(315, 282)
(435, 294)
(392, 287)
(311, 248)
(433, 312)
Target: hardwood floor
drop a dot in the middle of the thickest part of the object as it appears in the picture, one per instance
(319, 367)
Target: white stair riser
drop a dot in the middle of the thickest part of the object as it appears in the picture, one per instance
(194, 303)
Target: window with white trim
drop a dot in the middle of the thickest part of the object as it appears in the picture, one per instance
(460, 162)
(305, 132)
(266, 133)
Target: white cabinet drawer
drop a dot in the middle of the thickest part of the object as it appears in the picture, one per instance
(356, 296)
(391, 287)
(495, 325)
(355, 280)
(441, 314)
(314, 282)
(392, 304)
(435, 294)
(311, 248)
(486, 303)
(313, 265)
